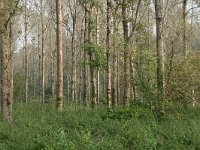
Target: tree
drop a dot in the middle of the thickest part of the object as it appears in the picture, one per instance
(159, 48)
(25, 54)
(114, 63)
(127, 36)
(109, 88)
(74, 51)
(59, 56)
(85, 95)
(6, 14)
(42, 82)
(184, 4)
(126, 52)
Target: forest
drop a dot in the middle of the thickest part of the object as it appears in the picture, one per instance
(99, 74)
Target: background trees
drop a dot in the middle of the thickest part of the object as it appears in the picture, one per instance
(114, 52)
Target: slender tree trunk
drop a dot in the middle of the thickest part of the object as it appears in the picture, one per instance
(43, 66)
(53, 83)
(39, 61)
(11, 57)
(118, 79)
(93, 85)
(34, 71)
(132, 71)
(67, 70)
(114, 78)
(43, 54)
(114, 67)
(85, 98)
(160, 50)
(80, 87)
(98, 85)
(109, 92)
(105, 82)
(92, 68)
(59, 56)
(148, 39)
(53, 71)
(184, 51)
(126, 54)
(74, 53)
(98, 68)
(26, 55)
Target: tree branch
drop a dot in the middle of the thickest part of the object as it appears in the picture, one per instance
(135, 20)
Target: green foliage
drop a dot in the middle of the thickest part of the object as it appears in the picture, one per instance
(92, 23)
(184, 78)
(18, 88)
(98, 59)
(83, 128)
(145, 78)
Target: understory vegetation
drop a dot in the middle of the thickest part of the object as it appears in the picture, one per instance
(36, 126)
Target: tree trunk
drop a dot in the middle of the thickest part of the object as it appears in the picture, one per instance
(160, 50)
(52, 48)
(6, 87)
(53, 83)
(93, 86)
(74, 53)
(98, 85)
(59, 56)
(39, 60)
(114, 67)
(98, 68)
(85, 96)
(26, 55)
(184, 51)
(109, 92)
(11, 57)
(93, 94)
(5, 66)
(126, 54)
(43, 55)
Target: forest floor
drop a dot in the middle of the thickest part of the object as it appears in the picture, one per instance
(38, 127)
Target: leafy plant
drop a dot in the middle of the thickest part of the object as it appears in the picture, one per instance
(98, 59)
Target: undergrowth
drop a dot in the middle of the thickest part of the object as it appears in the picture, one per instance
(37, 127)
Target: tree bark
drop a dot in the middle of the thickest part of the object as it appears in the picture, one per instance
(74, 53)
(126, 97)
(5, 65)
(42, 96)
(184, 7)
(114, 63)
(59, 56)
(109, 92)
(93, 94)
(25, 55)
(11, 57)
(98, 68)
(160, 50)
(85, 96)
